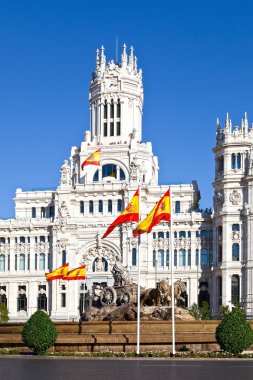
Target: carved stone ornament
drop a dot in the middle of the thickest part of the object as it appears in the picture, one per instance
(235, 197)
(63, 213)
(65, 175)
(236, 235)
(134, 169)
(99, 255)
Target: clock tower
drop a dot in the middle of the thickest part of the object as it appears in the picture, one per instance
(116, 99)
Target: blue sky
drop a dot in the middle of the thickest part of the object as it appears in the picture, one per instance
(197, 60)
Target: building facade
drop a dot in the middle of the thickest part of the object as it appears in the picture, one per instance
(212, 251)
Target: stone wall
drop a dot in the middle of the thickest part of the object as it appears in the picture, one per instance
(121, 336)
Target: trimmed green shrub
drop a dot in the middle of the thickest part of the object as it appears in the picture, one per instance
(234, 334)
(39, 332)
(4, 313)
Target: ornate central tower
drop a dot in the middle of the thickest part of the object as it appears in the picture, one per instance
(116, 99)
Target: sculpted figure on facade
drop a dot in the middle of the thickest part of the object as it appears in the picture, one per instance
(120, 274)
(65, 175)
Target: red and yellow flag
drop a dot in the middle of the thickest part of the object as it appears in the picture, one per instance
(161, 211)
(57, 273)
(130, 214)
(76, 274)
(92, 159)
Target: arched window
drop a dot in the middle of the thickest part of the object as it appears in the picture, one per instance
(22, 261)
(110, 206)
(111, 109)
(154, 235)
(110, 170)
(91, 207)
(33, 212)
(236, 161)
(134, 257)
(182, 254)
(42, 265)
(235, 252)
(175, 234)
(203, 257)
(100, 206)
(2, 263)
(2, 240)
(42, 239)
(182, 234)
(167, 235)
(189, 234)
(82, 207)
(160, 258)
(160, 235)
(235, 289)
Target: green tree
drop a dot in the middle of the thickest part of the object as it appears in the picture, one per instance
(4, 313)
(200, 312)
(39, 332)
(234, 334)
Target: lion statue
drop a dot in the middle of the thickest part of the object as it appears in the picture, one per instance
(161, 295)
(158, 296)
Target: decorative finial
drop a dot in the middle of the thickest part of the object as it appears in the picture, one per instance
(227, 121)
(124, 57)
(97, 58)
(131, 57)
(245, 122)
(103, 58)
(135, 63)
(217, 123)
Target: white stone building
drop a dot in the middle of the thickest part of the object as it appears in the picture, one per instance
(52, 227)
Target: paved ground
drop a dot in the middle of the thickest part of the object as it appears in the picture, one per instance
(33, 368)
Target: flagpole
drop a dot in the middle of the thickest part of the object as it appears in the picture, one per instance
(138, 281)
(172, 280)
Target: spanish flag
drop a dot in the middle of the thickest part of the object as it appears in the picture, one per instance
(92, 159)
(57, 273)
(76, 274)
(130, 214)
(161, 211)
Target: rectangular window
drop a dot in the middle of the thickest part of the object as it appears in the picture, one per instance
(134, 258)
(118, 128)
(235, 227)
(63, 299)
(16, 262)
(182, 234)
(175, 258)
(91, 208)
(82, 207)
(119, 205)
(112, 129)
(105, 129)
(42, 239)
(51, 211)
(118, 109)
(22, 239)
(105, 111)
(167, 258)
(100, 206)
(177, 207)
(112, 110)
(189, 258)
(109, 206)
(33, 212)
